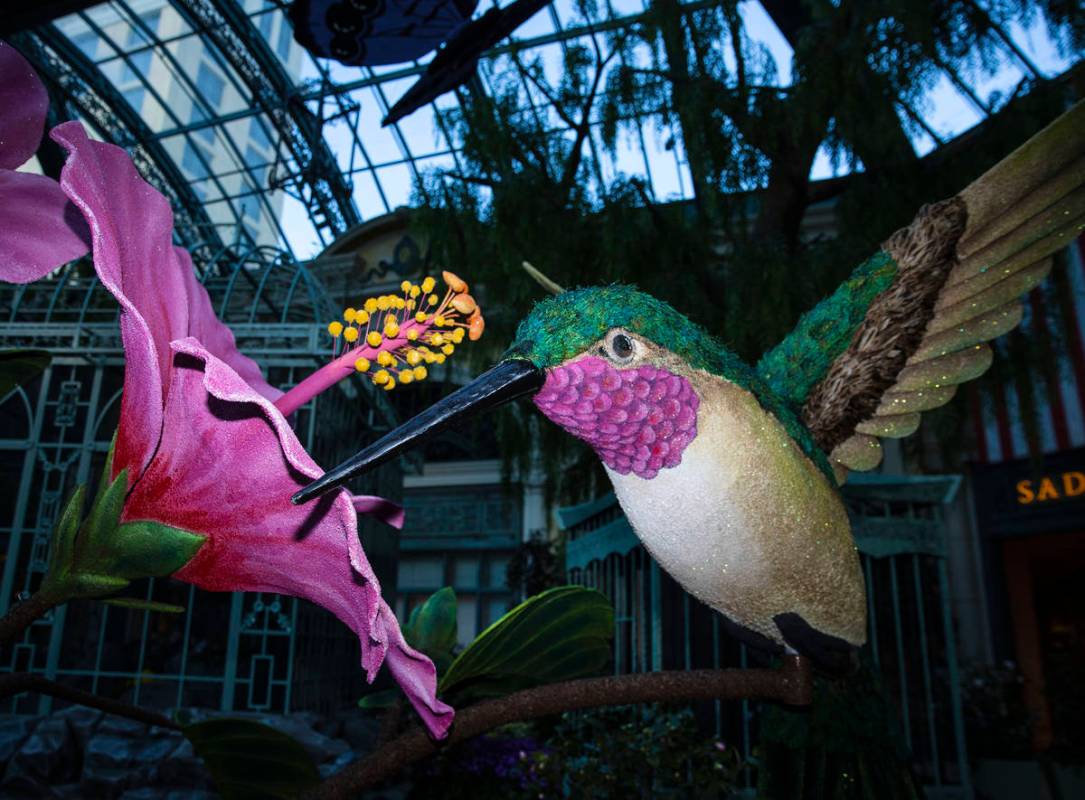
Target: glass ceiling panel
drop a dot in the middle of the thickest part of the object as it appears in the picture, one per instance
(239, 151)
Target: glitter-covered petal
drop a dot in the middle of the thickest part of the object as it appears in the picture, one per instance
(40, 229)
(226, 467)
(24, 102)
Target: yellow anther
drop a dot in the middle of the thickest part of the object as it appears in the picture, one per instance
(428, 357)
(406, 376)
(411, 305)
(400, 303)
(420, 373)
(439, 358)
(415, 291)
(381, 376)
(335, 328)
(421, 317)
(373, 339)
(382, 302)
(414, 358)
(454, 281)
(385, 359)
(439, 321)
(457, 335)
(371, 305)
(448, 349)
(391, 330)
(432, 299)
(390, 385)
(437, 339)
(412, 335)
(351, 334)
(428, 284)
(405, 286)
(362, 365)
(348, 315)
(361, 317)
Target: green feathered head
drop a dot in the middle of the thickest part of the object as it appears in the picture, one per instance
(561, 327)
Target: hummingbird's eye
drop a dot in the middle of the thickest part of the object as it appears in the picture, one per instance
(620, 347)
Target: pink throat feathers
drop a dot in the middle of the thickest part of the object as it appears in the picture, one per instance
(638, 419)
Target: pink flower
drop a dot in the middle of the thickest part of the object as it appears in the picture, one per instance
(204, 444)
(39, 228)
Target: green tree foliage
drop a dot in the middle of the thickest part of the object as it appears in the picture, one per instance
(531, 181)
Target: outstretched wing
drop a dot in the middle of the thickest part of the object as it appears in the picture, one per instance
(913, 323)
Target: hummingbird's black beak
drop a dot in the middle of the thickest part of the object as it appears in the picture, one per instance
(510, 379)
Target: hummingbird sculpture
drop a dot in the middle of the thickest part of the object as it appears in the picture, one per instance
(730, 473)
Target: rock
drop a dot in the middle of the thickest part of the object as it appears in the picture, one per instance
(122, 726)
(361, 732)
(47, 757)
(182, 768)
(167, 793)
(329, 768)
(13, 733)
(83, 722)
(113, 763)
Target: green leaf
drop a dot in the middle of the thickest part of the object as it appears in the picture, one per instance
(561, 634)
(379, 700)
(19, 366)
(252, 761)
(431, 627)
(145, 605)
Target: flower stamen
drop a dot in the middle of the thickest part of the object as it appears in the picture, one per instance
(386, 338)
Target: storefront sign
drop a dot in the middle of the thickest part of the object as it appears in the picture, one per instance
(1023, 497)
(1051, 487)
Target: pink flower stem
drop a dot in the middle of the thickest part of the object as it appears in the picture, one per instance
(343, 367)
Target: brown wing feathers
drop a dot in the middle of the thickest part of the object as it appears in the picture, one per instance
(964, 265)
(852, 389)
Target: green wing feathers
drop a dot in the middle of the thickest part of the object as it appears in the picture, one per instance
(913, 323)
(799, 362)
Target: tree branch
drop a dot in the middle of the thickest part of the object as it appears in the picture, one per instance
(792, 684)
(22, 614)
(19, 682)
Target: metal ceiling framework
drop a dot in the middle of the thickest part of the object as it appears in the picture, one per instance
(319, 120)
(73, 76)
(318, 182)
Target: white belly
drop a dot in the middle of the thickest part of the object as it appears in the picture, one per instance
(748, 525)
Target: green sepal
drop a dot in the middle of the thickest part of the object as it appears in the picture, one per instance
(88, 584)
(17, 366)
(62, 550)
(145, 549)
(144, 605)
(100, 556)
(105, 514)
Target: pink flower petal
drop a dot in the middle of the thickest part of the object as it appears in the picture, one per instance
(203, 324)
(40, 229)
(131, 233)
(24, 102)
(226, 467)
(385, 510)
